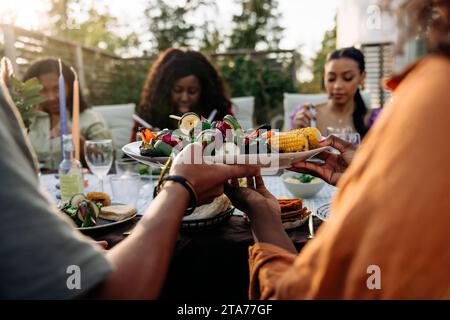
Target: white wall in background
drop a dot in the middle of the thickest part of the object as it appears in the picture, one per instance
(364, 22)
(361, 22)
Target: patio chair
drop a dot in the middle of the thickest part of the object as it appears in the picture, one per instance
(243, 108)
(119, 119)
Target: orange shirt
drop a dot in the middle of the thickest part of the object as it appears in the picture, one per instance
(392, 209)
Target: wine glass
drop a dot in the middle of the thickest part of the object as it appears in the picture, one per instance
(99, 157)
(346, 134)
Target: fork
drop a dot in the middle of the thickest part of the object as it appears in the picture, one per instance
(311, 226)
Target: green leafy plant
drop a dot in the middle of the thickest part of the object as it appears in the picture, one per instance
(328, 46)
(126, 86)
(247, 77)
(256, 25)
(26, 95)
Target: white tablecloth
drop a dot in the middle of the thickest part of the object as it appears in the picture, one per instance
(273, 183)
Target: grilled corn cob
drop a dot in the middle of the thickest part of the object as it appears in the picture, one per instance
(313, 135)
(290, 141)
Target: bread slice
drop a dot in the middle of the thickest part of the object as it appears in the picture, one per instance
(117, 212)
(210, 210)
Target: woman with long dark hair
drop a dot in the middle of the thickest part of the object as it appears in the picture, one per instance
(344, 73)
(44, 131)
(372, 247)
(182, 81)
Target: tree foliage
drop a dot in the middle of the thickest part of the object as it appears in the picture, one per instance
(88, 24)
(211, 39)
(127, 85)
(174, 24)
(169, 25)
(257, 25)
(247, 77)
(328, 45)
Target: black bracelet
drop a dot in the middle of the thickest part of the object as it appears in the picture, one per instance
(189, 187)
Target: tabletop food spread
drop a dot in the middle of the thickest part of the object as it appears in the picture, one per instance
(219, 139)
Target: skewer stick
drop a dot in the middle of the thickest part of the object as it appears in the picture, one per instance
(212, 115)
(175, 117)
(142, 121)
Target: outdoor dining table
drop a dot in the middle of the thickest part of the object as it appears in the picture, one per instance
(207, 264)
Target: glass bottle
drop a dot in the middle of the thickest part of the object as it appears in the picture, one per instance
(70, 171)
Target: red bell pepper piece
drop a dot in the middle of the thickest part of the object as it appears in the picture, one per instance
(223, 127)
(168, 139)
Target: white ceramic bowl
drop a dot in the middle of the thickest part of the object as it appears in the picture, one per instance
(299, 189)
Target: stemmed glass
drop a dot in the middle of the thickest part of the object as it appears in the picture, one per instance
(99, 157)
(346, 134)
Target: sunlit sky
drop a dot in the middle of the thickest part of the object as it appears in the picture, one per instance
(305, 21)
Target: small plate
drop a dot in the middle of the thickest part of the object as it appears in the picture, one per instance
(272, 160)
(323, 212)
(104, 223)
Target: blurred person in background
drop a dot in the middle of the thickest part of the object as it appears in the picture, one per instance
(387, 234)
(44, 132)
(344, 73)
(181, 81)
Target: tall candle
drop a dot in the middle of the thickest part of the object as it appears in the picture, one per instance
(62, 106)
(76, 115)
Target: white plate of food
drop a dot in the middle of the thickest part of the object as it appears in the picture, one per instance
(104, 223)
(96, 212)
(272, 160)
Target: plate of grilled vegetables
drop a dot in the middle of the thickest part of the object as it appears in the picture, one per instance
(227, 142)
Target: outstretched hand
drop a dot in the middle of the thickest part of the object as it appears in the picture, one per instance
(207, 179)
(334, 164)
(252, 199)
(263, 210)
